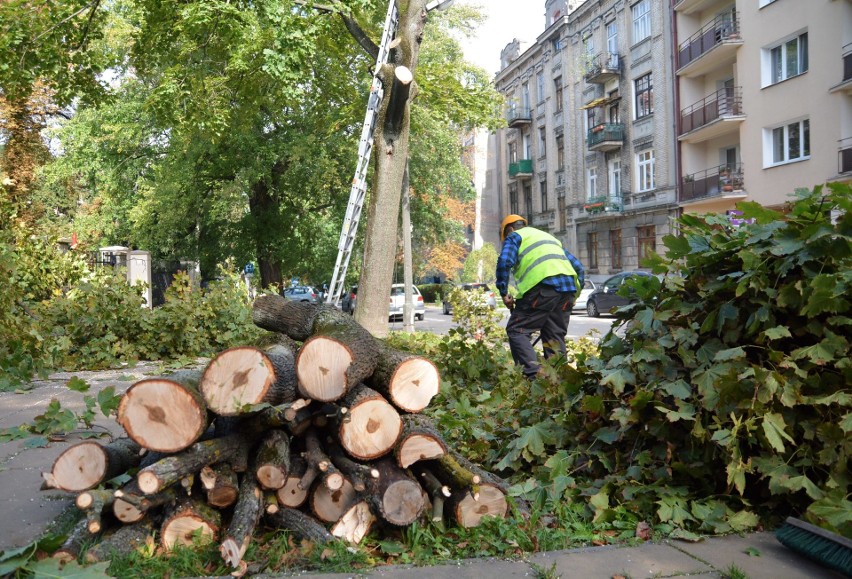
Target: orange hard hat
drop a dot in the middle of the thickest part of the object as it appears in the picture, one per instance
(509, 220)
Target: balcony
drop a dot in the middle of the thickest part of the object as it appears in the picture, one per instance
(717, 114)
(723, 181)
(604, 204)
(844, 157)
(606, 137)
(693, 6)
(603, 67)
(711, 48)
(521, 169)
(846, 84)
(518, 117)
(544, 219)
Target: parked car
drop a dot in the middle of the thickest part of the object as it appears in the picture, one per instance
(488, 296)
(588, 287)
(605, 297)
(397, 301)
(349, 299)
(302, 293)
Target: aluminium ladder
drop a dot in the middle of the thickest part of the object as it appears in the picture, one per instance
(365, 148)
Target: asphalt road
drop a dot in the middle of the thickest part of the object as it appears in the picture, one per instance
(580, 325)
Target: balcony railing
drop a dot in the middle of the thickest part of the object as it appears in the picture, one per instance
(721, 29)
(712, 182)
(847, 66)
(605, 136)
(517, 116)
(603, 67)
(844, 156)
(725, 102)
(522, 168)
(604, 204)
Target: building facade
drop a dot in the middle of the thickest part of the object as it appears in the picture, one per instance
(626, 113)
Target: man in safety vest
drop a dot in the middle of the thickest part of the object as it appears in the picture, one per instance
(548, 280)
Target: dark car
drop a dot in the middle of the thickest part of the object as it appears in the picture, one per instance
(302, 293)
(606, 297)
(349, 299)
(488, 297)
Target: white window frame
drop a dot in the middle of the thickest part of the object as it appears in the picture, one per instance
(645, 171)
(614, 178)
(540, 86)
(525, 97)
(768, 59)
(591, 183)
(771, 136)
(641, 12)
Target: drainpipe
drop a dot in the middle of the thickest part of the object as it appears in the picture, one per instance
(676, 104)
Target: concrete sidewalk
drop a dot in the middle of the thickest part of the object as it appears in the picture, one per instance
(28, 511)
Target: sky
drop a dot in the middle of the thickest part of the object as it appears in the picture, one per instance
(507, 19)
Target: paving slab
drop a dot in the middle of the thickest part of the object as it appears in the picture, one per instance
(775, 561)
(647, 561)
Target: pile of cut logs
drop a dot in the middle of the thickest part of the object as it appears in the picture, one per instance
(324, 439)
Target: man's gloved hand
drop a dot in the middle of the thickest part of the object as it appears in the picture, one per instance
(509, 301)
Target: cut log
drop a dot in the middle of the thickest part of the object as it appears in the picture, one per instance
(164, 414)
(468, 510)
(125, 540)
(88, 464)
(94, 502)
(395, 496)
(355, 472)
(419, 441)
(131, 505)
(240, 378)
(329, 505)
(247, 513)
(278, 314)
(319, 461)
(220, 483)
(354, 525)
(75, 543)
(173, 468)
(270, 503)
(373, 428)
(294, 416)
(189, 521)
(273, 460)
(292, 494)
(408, 382)
(303, 526)
(450, 471)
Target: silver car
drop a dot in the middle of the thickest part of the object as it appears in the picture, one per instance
(302, 293)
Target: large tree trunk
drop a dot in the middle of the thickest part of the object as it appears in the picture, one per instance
(391, 143)
(264, 210)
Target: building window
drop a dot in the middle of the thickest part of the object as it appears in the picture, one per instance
(528, 206)
(644, 91)
(563, 214)
(560, 153)
(615, 248)
(614, 169)
(647, 241)
(557, 85)
(543, 188)
(542, 141)
(558, 44)
(540, 86)
(790, 142)
(591, 182)
(788, 59)
(641, 20)
(645, 171)
(513, 198)
(592, 239)
(525, 97)
(612, 42)
(513, 153)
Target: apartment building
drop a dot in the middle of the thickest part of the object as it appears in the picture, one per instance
(764, 93)
(588, 153)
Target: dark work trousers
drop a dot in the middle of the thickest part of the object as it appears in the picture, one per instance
(543, 310)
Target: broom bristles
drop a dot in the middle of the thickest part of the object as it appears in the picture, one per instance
(817, 544)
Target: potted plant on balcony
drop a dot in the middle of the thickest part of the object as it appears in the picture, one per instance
(725, 178)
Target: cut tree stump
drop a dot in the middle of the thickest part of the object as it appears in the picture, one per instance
(292, 494)
(220, 484)
(87, 464)
(273, 460)
(330, 505)
(354, 525)
(302, 525)
(247, 513)
(164, 414)
(395, 496)
(373, 428)
(419, 441)
(408, 382)
(240, 378)
(469, 511)
(188, 521)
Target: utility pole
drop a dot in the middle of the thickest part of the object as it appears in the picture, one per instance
(407, 274)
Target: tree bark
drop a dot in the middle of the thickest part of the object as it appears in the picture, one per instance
(88, 464)
(273, 460)
(131, 505)
(93, 503)
(247, 513)
(123, 541)
(419, 441)
(301, 525)
(220, 484)
(73, 545)
(164, 414)
(394, 496)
